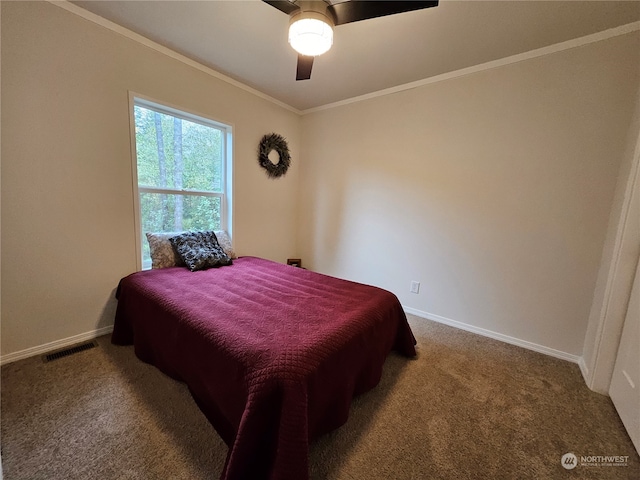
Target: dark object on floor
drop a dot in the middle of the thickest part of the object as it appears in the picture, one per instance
(49, 357)
(294, 262)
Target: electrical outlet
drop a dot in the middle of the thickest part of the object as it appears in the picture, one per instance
(415, 287)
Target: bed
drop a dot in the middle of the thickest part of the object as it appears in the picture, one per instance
(272, 354)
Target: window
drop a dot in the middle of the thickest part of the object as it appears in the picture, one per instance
(182, 174)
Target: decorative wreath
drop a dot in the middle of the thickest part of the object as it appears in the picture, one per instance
(276, 142)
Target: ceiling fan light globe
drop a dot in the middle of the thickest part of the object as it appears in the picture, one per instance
(310, 36)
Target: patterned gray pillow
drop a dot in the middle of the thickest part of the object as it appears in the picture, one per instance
(200, 250)
(162, 252)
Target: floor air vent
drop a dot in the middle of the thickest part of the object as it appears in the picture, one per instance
(69, 351)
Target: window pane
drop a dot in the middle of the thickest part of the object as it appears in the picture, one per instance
(177, 153)
(175, 213)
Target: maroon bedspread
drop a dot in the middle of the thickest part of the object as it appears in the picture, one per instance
(272, 354)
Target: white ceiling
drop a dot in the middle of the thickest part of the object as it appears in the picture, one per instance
(247, 40)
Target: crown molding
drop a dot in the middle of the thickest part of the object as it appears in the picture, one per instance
(521, 57)
(136, 37)
(540, 52)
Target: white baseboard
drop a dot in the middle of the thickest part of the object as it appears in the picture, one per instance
(48, 347)
(65, 342)
(586, 375)
(584, 370)
(495, 335)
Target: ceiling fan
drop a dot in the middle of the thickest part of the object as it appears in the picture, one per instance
(311, 22)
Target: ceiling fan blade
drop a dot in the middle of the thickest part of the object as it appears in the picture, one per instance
(283, 5)
(303, 72)
(356, 10)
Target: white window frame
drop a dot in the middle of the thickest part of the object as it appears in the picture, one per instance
(226, 203)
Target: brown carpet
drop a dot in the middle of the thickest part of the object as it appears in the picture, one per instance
(467, 408)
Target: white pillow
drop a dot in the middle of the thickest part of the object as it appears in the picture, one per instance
(225, 243)
(162, 252)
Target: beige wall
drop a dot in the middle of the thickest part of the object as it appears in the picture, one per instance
(67, 207)
(493, 190)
